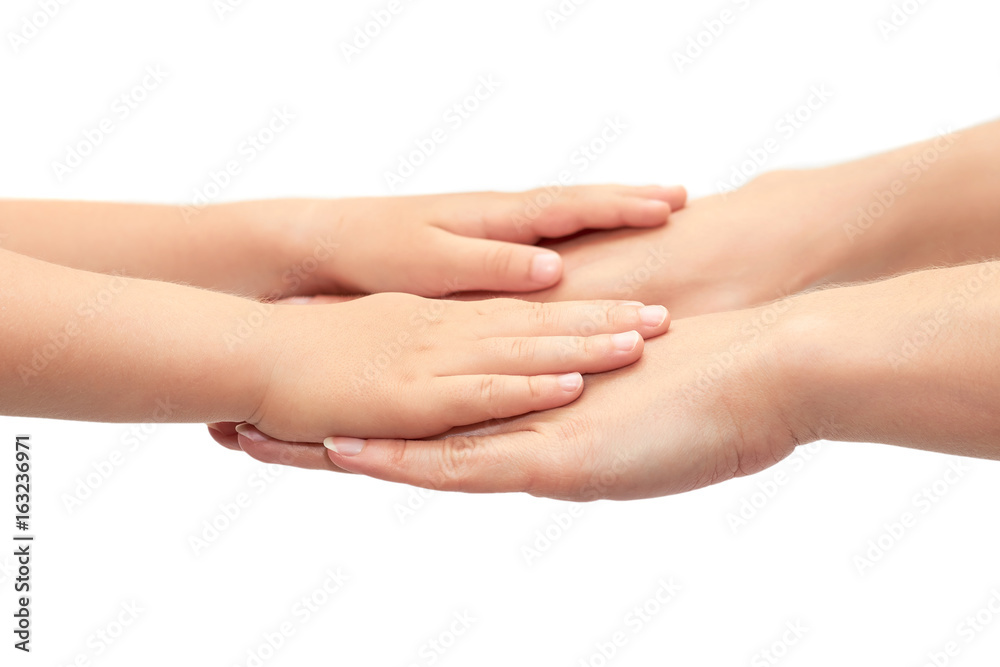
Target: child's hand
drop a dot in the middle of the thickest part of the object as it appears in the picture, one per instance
(396, 365)
(443, 244)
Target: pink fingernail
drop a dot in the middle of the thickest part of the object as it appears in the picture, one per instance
(344, 446)
(249, 431)
(653, 316)
(570, 381)
(626, 342)
(545, 268)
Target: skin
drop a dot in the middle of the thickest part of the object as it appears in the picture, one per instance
(726, 395)
(435, 244)
(731, 393)
(788, 231)
(89, 346)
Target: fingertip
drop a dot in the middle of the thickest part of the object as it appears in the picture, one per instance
(570, 383)
(344, 446)
(546, 268)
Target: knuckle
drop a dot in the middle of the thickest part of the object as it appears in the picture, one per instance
(543, 316)
(536, 389)
(453, 468)
(490, 391)
(500, 259)
(523, 348)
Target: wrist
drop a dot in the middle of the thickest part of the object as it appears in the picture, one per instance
(288, 246)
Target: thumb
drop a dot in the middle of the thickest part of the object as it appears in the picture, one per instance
(500, 266)
(503, 462)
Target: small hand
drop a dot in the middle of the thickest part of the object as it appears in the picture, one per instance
(703, 405)
(442, 244)
(397, 365)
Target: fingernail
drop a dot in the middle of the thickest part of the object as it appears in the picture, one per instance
(634, 303)
(653, 316)
(570, 381)
(545, 267)
(626, 342)
(344, 446)
(251, 432)
(297, 300)
(656, 205)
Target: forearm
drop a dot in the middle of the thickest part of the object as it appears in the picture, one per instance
(934, 203)
(93, 347)
(909, 361)
(248, 248)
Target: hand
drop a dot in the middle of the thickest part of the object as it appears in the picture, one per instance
(396, 365)
(780, 234)
(700, 407)
(442, 244)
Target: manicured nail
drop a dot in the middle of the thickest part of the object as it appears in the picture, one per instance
(653, 316)
(626, 342)
(545, 268)
(570, 381)
(251, 432)
(344, 446)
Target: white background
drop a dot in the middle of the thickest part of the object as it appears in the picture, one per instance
(795, 560)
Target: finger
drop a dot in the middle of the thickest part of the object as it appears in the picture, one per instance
(499, 463)
(547, 355)
(513, 317)
(481, 264)
(295, 454)
(529, 216)
(469, 399)
(224, 433)
(605, 211)
(675, 195)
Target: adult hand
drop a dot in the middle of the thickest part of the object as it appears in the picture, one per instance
(701, 406)
(780, 234)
